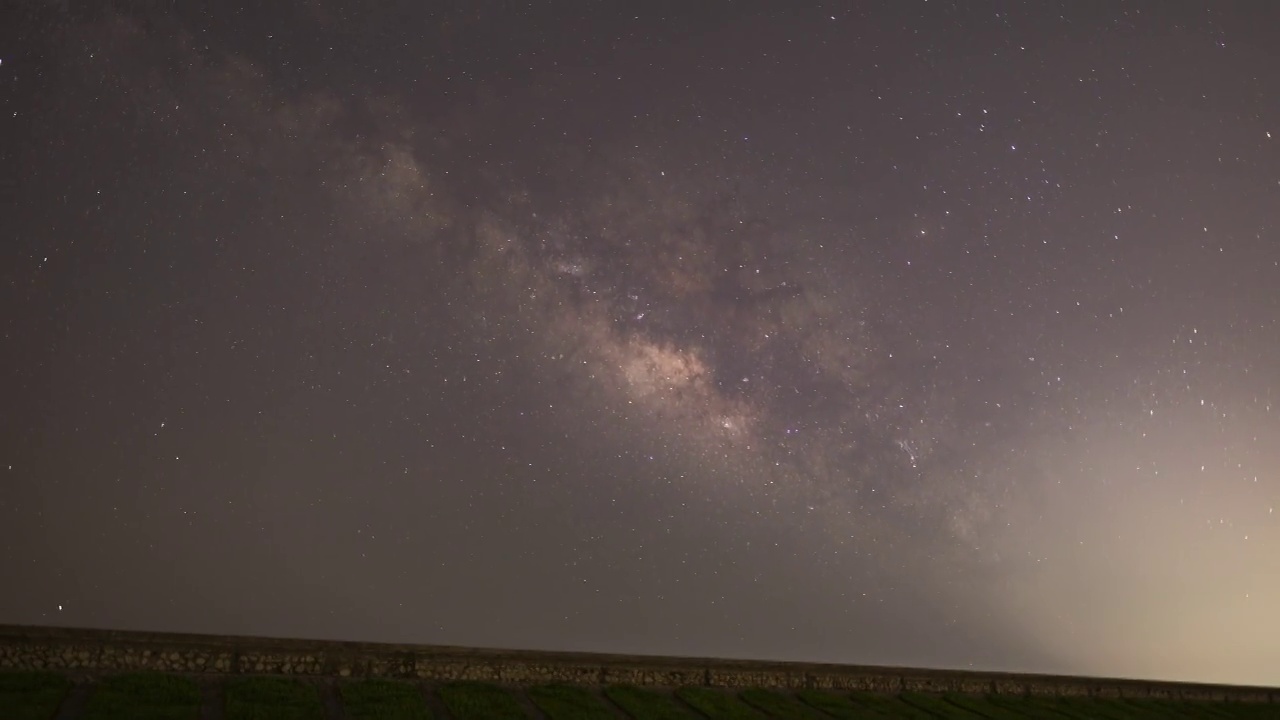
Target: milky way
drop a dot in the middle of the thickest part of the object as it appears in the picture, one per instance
(923, 334)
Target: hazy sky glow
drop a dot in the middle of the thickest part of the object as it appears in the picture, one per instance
(906, 333)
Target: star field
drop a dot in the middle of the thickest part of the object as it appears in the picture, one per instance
(919, 333)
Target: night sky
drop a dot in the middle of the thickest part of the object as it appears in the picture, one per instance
(905, 333)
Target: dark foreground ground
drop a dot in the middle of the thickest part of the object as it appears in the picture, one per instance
(29, 695)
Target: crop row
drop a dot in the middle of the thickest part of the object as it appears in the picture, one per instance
(156, 696)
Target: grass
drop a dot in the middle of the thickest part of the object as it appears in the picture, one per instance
(837, 705)
(937, 706)
(717, 704)
(780, 705)
(1104, 709)
(266, 698)
(1040, 707)
(644, 704)
(1180, 709)
(1248, 711)
(1133, 709)
(27, 695)
(480, 701)
(1150, 709)
(563, 702)
(149, 696)
(894, 706)
(383, 700)
(32, 695)
(1016, 709)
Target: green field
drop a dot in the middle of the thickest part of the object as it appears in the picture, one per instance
(157, 696)
(144, 695)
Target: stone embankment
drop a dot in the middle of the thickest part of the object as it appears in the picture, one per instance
(96, 652)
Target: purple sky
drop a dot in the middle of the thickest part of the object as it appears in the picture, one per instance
(921, 333)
